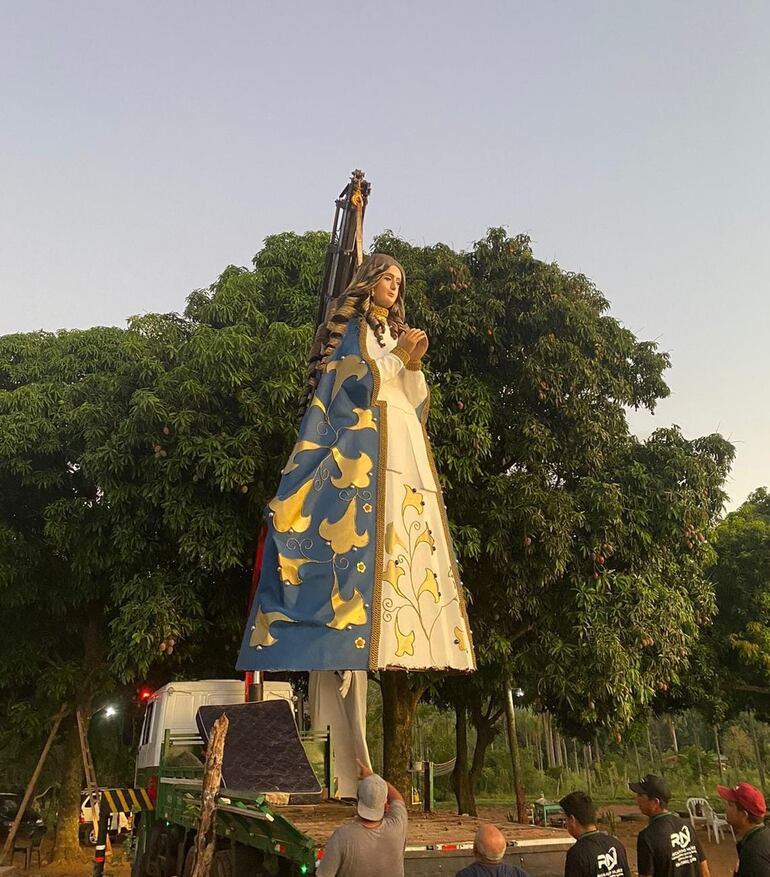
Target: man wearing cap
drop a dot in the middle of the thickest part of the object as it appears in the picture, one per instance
(668, 846)
(372, 845)
(595, 854)
(745, 812)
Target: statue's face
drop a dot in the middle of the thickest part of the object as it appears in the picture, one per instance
(387, 287)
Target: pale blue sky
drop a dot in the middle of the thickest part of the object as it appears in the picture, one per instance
(145, 146)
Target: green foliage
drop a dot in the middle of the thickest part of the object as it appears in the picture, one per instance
(134, 465)
(741, 634)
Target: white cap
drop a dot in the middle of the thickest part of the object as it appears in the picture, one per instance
(372, 795)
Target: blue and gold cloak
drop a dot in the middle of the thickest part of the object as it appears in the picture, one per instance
(320, 570)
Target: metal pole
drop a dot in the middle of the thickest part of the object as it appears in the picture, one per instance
(100, 850)
(257, 687)
(513, 746)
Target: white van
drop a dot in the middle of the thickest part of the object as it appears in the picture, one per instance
(173, 708)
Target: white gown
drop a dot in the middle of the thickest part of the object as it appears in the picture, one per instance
(422, 619)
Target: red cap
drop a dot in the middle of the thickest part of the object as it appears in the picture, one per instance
(746, 796)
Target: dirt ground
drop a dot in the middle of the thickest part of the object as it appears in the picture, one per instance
(721, 857)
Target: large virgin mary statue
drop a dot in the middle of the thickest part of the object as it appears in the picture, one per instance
(358, 571)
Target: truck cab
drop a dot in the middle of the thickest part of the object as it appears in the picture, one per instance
(173, 708)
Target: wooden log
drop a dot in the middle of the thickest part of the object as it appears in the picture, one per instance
(205, 839)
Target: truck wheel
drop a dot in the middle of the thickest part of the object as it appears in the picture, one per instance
(222, 865)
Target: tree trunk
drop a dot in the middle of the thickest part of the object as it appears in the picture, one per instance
(513, 745)
(758, 752)
(719, 754)
(649, 747)
(549, 739)
(400, 697)
(67, 843)
(674, 741)
(466, 775)
(557, 749)
(484, 722)
(461, 778)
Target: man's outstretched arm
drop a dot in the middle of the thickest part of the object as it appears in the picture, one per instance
(393, 792)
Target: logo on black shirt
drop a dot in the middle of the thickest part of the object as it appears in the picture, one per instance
(609, 860)
(681, 838)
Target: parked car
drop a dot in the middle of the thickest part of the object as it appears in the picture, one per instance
(32, 825)
(120, 823)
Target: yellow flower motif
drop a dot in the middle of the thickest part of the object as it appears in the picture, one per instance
(354, 472)
(460, 639)
(392, 574)
(260, 633)
(342, 534)
(303, 445)
(346, 612)
(289, 569)
(427, 537)
(359, 643)
(429, 585)
(287, 512)
(412, 499)
(347, 367)
(391, 539)
(361, 566)
(405, 642)
(367, 507)
(364, 419)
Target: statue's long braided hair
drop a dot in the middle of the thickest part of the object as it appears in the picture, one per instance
(355, 301)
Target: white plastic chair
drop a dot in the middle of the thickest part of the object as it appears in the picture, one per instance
(716, 823)
(698, 809)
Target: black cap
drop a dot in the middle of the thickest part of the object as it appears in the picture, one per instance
(653, 787)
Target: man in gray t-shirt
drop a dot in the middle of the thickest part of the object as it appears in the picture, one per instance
(372, 844)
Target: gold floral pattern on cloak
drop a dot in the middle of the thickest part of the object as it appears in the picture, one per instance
(346, 612)
(354, 472)
(412, 577)
(404, 642)
(287, 512)
(288, 569)
(260, 634)
(364, 419)
(341, 534)
(304, 445)
(344, 368)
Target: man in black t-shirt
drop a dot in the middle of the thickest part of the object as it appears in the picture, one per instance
(745, 812)
(668, 846)
(595, 854)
